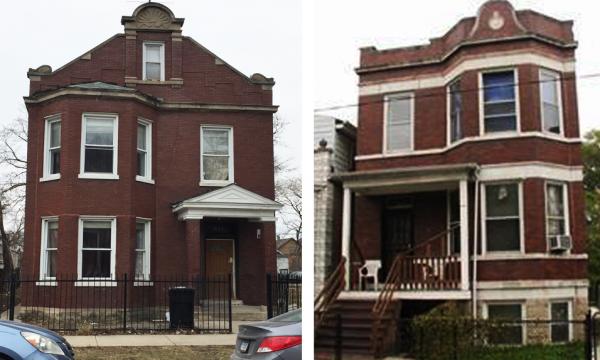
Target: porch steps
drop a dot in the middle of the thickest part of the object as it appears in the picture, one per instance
(356, 327)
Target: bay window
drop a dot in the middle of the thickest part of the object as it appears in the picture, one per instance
(502, 225)
(49, 249)
(52, 148)
(216, 155)
(399, 122)
(144, 151)
(550, 99)
(499, 101)
(142, 250)
(99, 146)
(97, 238)
(556, 210)
(455, 111)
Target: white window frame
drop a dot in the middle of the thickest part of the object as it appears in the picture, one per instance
(94, 175)
(230, 155)
(569, 303)
(113, 249)
(484, 218)
(44, 279)
(449, 115)
(162, 59)
(485, 314)
(566, 215)
(148, 177)
(386, 102)
(48, 121)
(482, 103)
(558, 82)
(147, 241)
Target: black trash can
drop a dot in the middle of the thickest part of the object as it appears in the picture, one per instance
(181, 308)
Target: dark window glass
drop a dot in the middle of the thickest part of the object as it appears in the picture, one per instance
(96, 249)
(454, 222)
(549, 90)
(95, 264)
(560, 326)
(455, 111)
(98, 160)
(507, 330)
(499, 101)
(503, 231)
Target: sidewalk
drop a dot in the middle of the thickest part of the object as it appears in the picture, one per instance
(152, 340)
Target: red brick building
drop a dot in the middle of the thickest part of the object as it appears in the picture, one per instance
(149, 155)
(468, 174)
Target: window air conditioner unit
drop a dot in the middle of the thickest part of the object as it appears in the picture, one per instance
(560, 243)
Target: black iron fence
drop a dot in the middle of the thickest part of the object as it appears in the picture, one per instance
(284, 293)
(122, 304)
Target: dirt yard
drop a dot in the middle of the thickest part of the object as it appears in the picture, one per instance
(155, 353)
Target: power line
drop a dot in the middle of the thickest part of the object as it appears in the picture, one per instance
(445, 92)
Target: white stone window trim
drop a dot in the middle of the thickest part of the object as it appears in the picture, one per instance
(162, 59)
(569, 317)
(148, 177)
(147, 246)
(566, 208)
(94, 175)
(230, 156)
(386, 102)
(449, 141)
(482, 132)
(558, 83)
(521, 303)
(45, 280)
(97, 281)
(48, 121)
(484, 251)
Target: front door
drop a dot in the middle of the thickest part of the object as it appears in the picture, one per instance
(220, 260)
(397, 235)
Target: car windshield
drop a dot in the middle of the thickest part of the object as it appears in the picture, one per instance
(292, 316)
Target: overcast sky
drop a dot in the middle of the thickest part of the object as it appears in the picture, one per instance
(253, 36)
(342, 27)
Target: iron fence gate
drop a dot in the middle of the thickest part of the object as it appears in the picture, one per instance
(284, 293)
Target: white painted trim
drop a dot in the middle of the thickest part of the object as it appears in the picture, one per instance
(106, 176)
(230, 156)
(569, 317)
(484, 250)
(558, 84)
(464, 234)
(482, 132)
(566, 213)
(162, 58)
(409, 295)
(412, 123)
(113, 248)
(44, 246)
(346, 229)
(143, 283)
(508, 285)
(48, 121)
(147, 248)
(234, 265)
(529, 256)
(96, 283)
(534, 169)
(148, 177)
(46, 283)
(486, 61)
(472, 139)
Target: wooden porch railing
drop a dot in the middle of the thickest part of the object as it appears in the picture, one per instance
(334, 284)
(411, 272)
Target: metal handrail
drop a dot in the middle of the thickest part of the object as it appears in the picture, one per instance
(334, 284)
(391, 284)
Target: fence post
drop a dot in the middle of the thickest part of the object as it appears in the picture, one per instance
(269, 296)
(125, 302)
(230, 318)
(455, 341)
(338, 336)
(589, 336)
(12, 296)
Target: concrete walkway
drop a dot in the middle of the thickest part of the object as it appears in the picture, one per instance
(152, 340)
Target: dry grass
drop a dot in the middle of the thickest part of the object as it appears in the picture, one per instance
(155, 353)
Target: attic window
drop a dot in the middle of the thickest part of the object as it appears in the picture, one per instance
(154, 61)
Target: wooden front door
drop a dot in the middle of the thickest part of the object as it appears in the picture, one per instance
(397, 235)
(220, 260)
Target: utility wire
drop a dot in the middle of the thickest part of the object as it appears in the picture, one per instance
(446, 92)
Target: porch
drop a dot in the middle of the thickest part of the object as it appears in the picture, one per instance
(410, 229)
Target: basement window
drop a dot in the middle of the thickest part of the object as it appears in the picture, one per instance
(99, 146)
(560, 328)
(510, 327)
(499, 101)
(154, 61)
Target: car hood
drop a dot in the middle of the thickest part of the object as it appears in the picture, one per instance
(32, 328)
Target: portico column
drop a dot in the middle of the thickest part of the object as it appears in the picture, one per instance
(192, 242)
(346, 236)
(464, 234)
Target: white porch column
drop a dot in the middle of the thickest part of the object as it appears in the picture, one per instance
(346, 236)
(464, 234)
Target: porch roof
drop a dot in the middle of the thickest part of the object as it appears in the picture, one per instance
(407, 179)
(231, 201)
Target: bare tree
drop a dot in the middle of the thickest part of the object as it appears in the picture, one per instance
(13, 165)
(279, 124)
(290, 196)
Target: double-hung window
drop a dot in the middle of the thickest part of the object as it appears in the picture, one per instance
(399, 122)
(97, 239)
(550, 99)
(99, 146)
(52, 148)
(499, 101)
(560, 328)
(49, 249)
(455, 111)
(154, 61)
(502, 217)
(142, 250)
(144, 151)
(556, 210)
(509, 329)
(217, 155)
